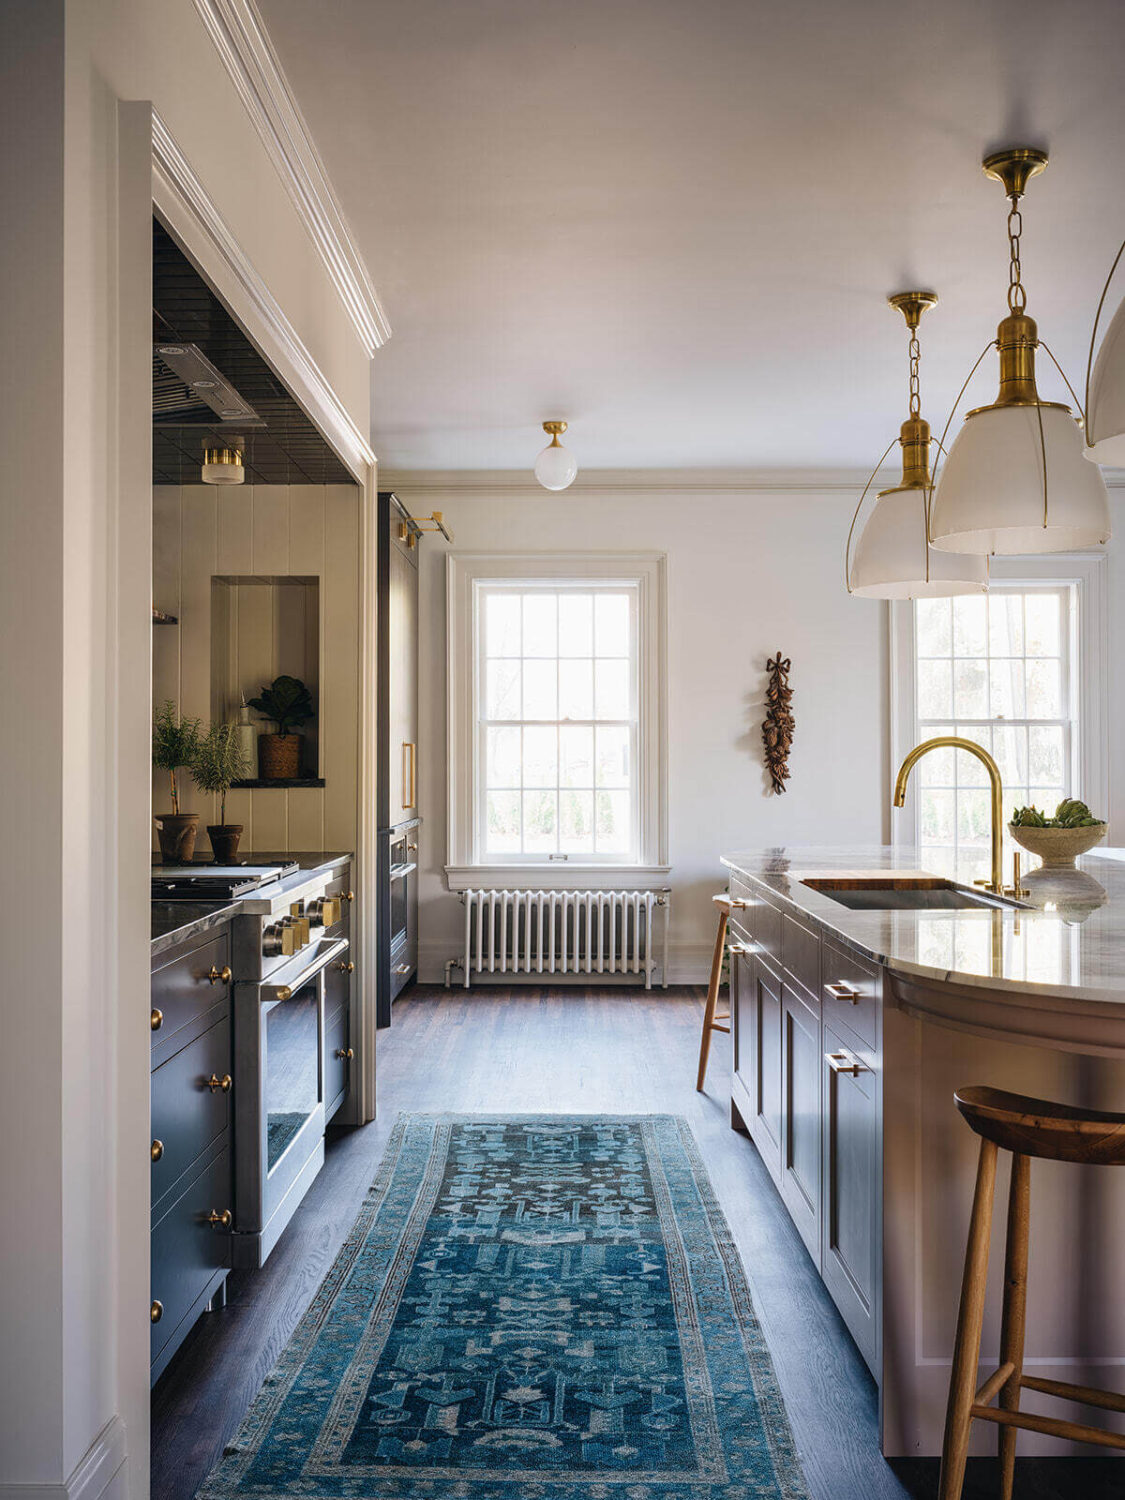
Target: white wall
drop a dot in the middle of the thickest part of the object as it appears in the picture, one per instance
(750, 572)
(311, 530)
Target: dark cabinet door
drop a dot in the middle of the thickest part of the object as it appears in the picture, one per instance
(189, 1253)
(800, 1134)
(757, 1003)
(852, 1186)
(191, 1108)
(402, 682)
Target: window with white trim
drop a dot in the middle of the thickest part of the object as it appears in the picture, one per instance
(556, 717)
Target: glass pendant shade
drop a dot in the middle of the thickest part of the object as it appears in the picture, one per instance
(555, 468)
(1105, 427)
(990, 497)
(890, 558)
(222, 466)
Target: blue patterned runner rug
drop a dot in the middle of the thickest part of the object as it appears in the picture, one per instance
(529, 1307)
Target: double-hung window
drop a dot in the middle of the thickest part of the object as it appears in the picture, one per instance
(556, 715)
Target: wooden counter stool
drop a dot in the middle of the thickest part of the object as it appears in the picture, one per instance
(1027, 1128)
(712, 1022)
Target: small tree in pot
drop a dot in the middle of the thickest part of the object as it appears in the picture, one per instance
(218, 763)
(288, 702)
(175, 742)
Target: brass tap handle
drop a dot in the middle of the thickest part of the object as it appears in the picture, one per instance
(156, 1019)
(156, 1150)
(222, 1084)
(345, 1053)
(156, 1312)
(215, 975)
(221, 1220)
(345, 966)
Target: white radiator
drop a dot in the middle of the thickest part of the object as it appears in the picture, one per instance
(518, 933)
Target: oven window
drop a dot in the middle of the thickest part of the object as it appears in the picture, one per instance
(398, 908)
(292, 1046)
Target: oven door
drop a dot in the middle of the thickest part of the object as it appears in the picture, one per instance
(403, 939)
(279, 1141)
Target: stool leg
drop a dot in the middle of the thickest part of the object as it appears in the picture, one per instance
(1015, 1311)
(966, 1353)
(712, 999)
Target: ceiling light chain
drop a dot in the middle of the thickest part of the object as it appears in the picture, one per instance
(1017, 297)
(915, 349)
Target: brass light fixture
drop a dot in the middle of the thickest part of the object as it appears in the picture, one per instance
(893, 559)
(223, 465)
(1014, 481)
(555, 467)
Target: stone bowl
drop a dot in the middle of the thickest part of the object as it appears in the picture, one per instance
(1058, 847)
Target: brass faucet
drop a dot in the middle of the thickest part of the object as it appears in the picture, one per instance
(954, 742)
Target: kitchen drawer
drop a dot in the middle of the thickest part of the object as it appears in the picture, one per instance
(851, 992)
(337, 986)
(186, 999)
(187, 1116)
(187, 1251)
(800, 955)
(336, 1068)
(756, 919)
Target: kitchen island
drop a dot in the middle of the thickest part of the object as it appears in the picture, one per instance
(864, 990)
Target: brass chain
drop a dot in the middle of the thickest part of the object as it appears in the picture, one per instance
(915, 357)
(1017, 297)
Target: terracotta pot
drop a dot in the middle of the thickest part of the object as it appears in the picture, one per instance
(279, 756)
(176, 832)
(224, 841)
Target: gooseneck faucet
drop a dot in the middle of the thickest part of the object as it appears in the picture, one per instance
(954, 742)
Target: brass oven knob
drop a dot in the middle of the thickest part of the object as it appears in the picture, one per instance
(156, 1150)
(221, 1220)
(413, 848)
(345, 966)
(223, 1083)
(347, 895)
(214, 975)
(345, 1052)
(156, 1019)
(156, 1312)
(303, 933)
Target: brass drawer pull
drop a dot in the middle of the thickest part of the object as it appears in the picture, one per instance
(156, 1150)
(214, 975)
(345, 1053)
(745, 949)
(222, 1220)
(156, 1312)
(409, 774)
(841, 991)
(156, 1019)
(345, 966)
(224, 1083)
(844, 1062)
(402, 968)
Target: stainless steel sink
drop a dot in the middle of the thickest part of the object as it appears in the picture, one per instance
(904, 893)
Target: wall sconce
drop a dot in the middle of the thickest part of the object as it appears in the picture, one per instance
(410, 531)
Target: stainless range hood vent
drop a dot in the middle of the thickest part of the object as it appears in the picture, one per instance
(187, 390)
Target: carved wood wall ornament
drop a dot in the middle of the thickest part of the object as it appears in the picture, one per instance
(777, 727)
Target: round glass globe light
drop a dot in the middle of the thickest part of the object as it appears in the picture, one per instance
(555, 467)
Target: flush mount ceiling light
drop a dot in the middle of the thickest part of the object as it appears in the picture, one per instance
(1014, 481)
(892, 558)
(223, 465)
(555, 467)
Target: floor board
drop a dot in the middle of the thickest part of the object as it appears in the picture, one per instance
(526, 1049)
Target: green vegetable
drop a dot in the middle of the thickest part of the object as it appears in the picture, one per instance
(1070, 813)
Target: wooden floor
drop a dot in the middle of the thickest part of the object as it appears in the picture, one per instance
(608, 1051)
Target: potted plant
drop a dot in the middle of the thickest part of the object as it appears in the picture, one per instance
(218, 763)
(288, 703)
(174, 745)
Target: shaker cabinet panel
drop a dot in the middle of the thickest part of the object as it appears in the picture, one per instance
(758, 1053)
(801, 1128)
(188, 995)
(190, 1108)
(189, 1255)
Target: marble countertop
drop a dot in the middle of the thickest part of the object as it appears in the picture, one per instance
(1072, 939)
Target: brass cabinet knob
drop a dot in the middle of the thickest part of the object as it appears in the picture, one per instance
(222, 1220)
(347, 895)
(214, 975)
(345, 966)
(345, 1053)
(156, 1150)
(156, 1312)
(156, 1019)
(223, 1083)
(413, 848)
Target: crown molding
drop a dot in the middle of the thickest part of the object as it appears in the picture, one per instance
(244, 46)
(190, 213)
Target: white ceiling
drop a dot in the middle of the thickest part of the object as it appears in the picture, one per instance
(674, 222)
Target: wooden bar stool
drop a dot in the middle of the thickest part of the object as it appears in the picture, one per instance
(712, 1022)
(1027, 1128)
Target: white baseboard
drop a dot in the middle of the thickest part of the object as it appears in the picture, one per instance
(688, 963)
(100, 1475)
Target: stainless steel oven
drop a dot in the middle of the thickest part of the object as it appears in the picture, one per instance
(283, 958)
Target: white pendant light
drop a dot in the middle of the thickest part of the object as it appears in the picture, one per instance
(555, 467)
(223, 465)
(1014, 481)
(1105, 395)
(892, 558)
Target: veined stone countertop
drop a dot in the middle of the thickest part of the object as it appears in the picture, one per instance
(1067, 946)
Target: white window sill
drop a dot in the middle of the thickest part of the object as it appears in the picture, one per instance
(557, 877)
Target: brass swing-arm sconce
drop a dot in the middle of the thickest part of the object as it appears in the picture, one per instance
(410, 530)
